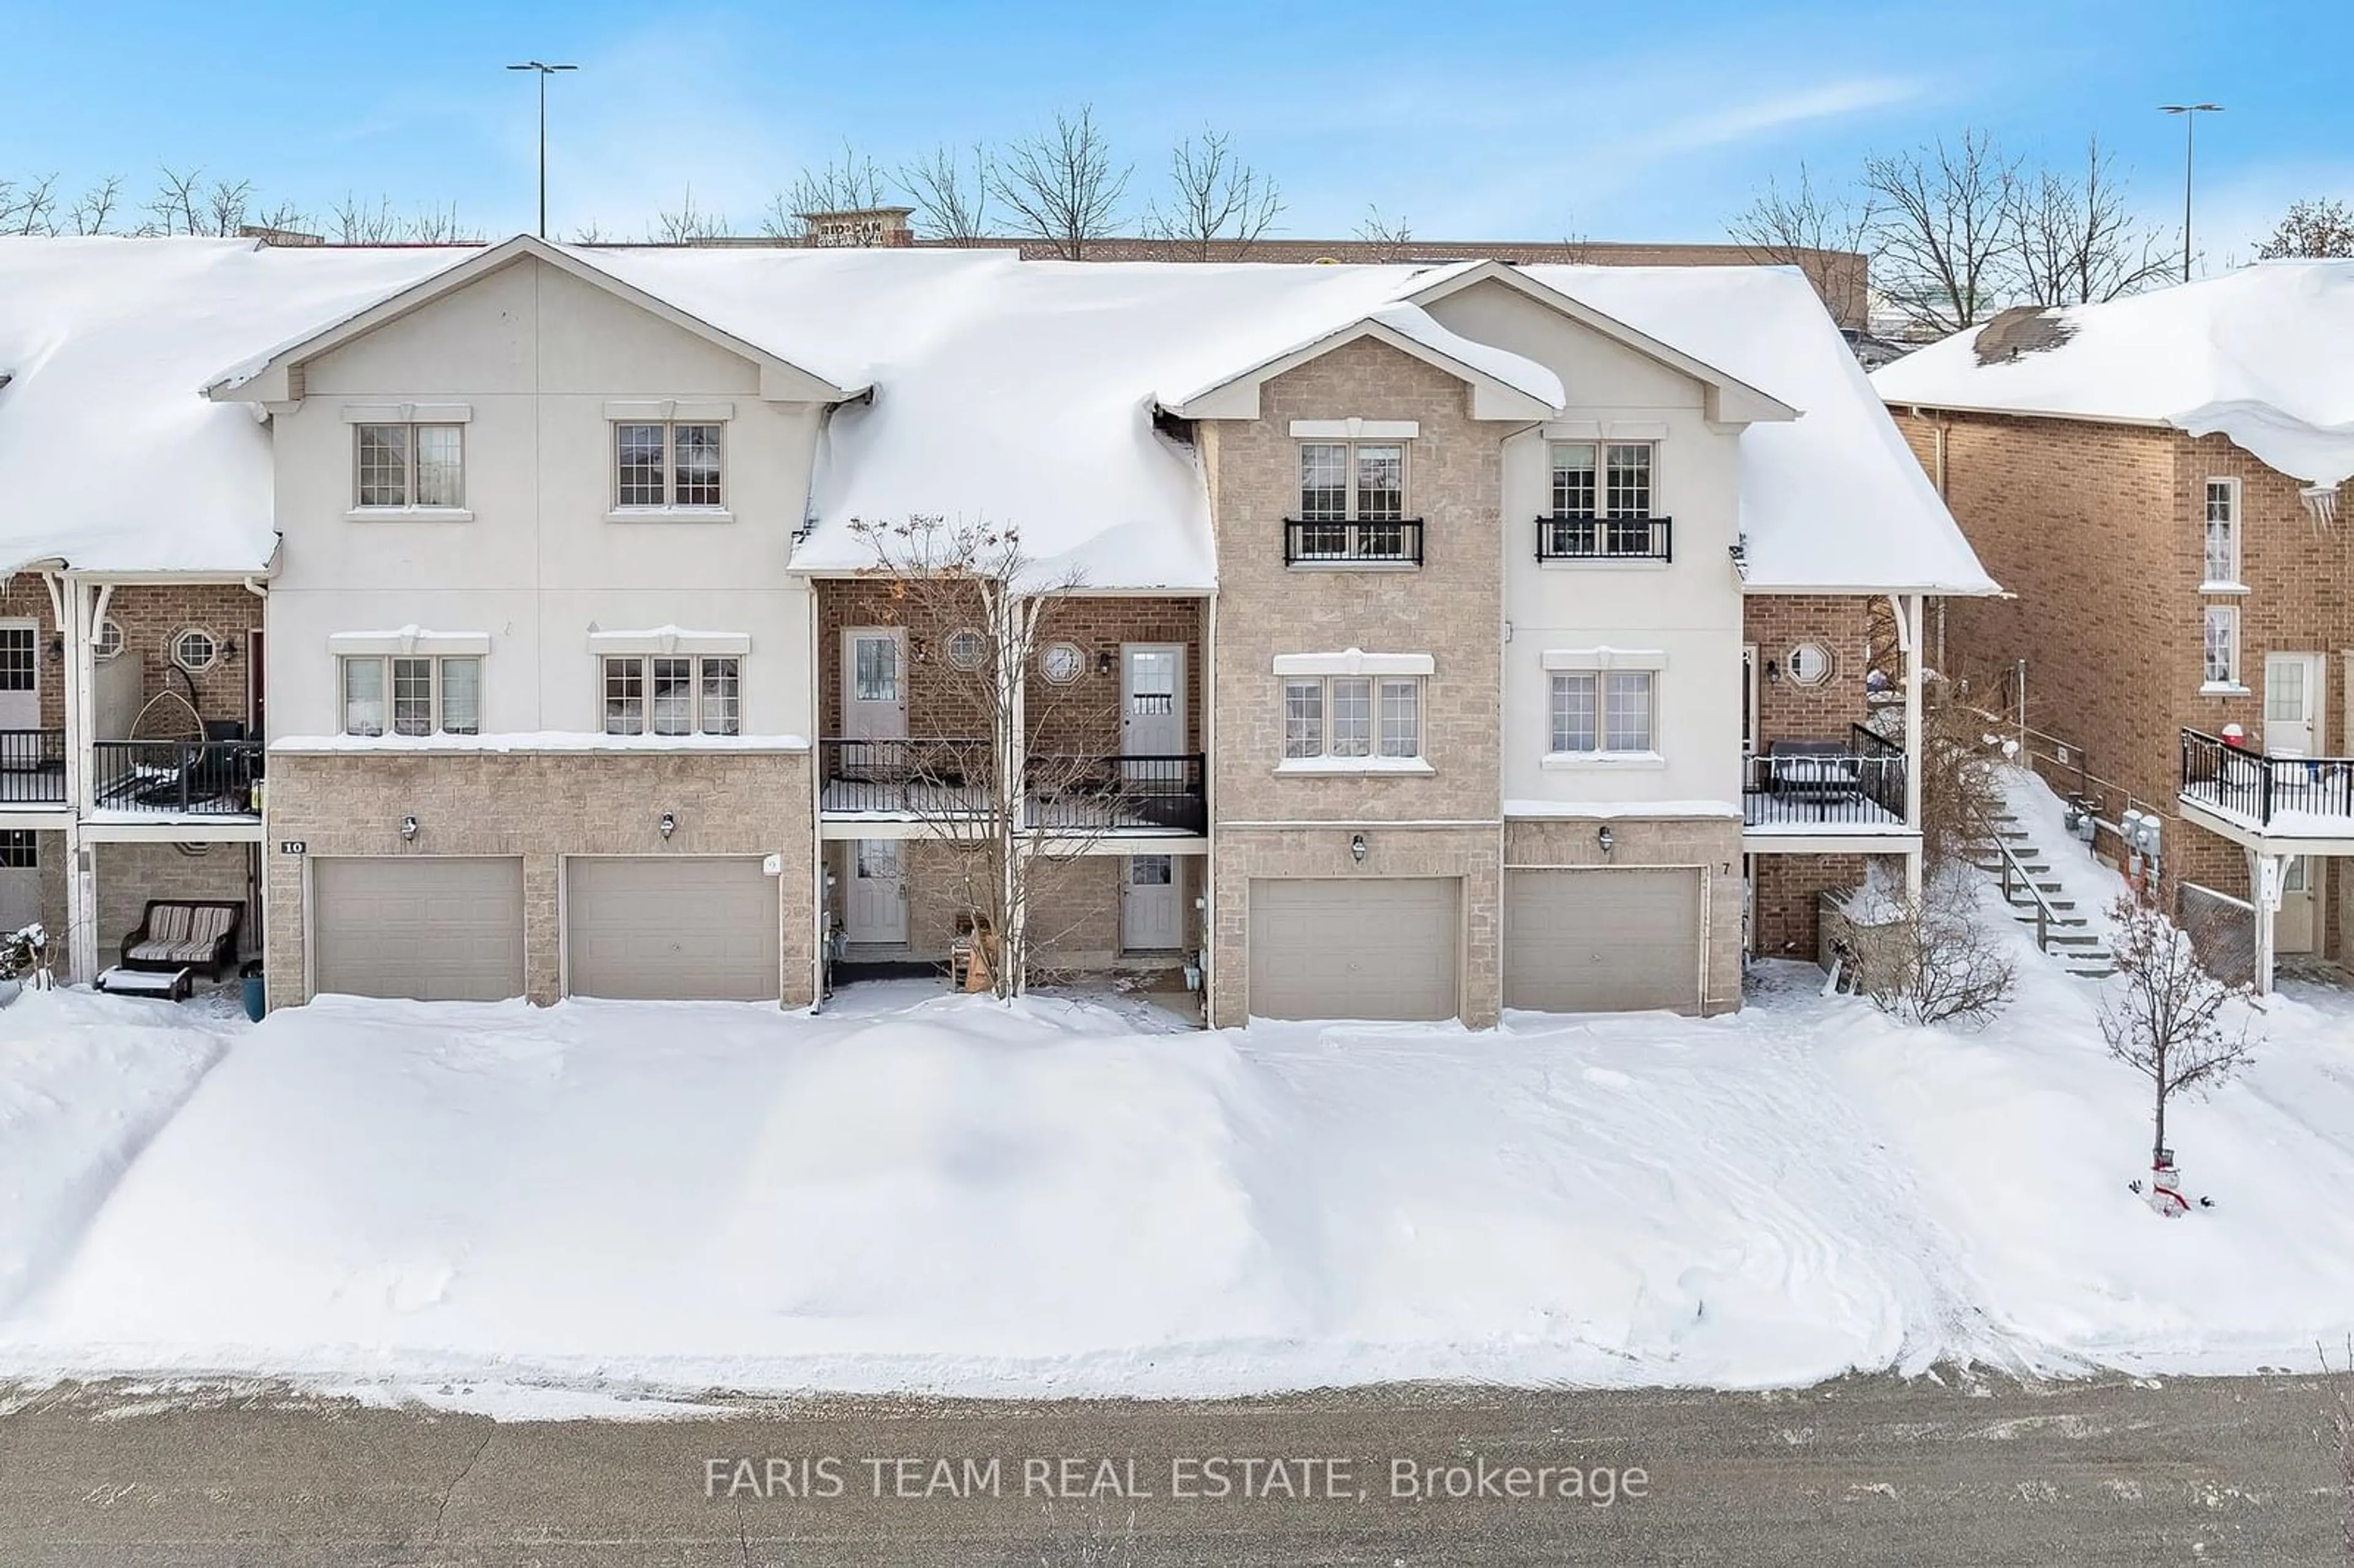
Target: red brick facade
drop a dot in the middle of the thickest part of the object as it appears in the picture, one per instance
(1840, 625)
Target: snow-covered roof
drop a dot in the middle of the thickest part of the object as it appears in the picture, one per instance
(110, 457)
(1833, 500)
(2264, 356)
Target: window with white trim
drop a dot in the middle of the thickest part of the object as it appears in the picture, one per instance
(1352, 716)
(2222, 540)
(402, 694)
(108, 644)
(409, 465)
(673, 464)
(2222, 645)
(195, 649)
(1597, 711)
(1601, 491)
(1352, 501)
(674, 693)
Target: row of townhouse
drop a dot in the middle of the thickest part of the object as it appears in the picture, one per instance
(2162, 484)
(1413, 642)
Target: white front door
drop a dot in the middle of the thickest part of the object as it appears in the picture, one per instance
(873, 683)
(2292, 703)
(20, 882)
(1151, 699)
(2294, 927)
(876, 908)
(1151, 915)
(20, 675)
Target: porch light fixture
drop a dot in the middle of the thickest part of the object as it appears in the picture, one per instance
(668, 825)
(408, 828)
(1773, 673)
(1605, 838)
(1103, 661)
(1357, 848)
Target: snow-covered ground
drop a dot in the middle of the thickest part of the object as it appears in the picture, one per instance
(921, 1191)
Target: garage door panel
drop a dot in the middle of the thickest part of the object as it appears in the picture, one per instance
(672, 929)
(430, 927)
(1377, 948)
(1602, 941)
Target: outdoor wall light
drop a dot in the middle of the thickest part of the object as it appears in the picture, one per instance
(1605, 838)
(1357, 848)
(1104, 662)
(408, 828)
(668, 825)
(1773, 673)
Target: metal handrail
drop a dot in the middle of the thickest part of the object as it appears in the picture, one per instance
(2045, 916)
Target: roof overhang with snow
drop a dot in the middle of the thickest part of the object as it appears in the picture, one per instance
(274, 379)
(1503, 386)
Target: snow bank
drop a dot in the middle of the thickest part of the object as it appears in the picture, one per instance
(85, 1081)
(2257, 354)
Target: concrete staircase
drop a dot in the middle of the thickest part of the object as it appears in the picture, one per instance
(2041, 902)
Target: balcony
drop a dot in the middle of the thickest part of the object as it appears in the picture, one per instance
(2284, 796)
(1813, 786)
(1560, 538)
(1359, 542)
(32, 768)
(175, 777)
(946, 782)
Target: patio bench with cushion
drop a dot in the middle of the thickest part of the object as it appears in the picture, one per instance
(1815, 770)
(189, 933)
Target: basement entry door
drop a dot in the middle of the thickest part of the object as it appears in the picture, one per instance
(1602, 941)
(1381, 948)
(671, 929)
(432, 927)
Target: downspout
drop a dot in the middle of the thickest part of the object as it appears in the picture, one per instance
(1907, 609)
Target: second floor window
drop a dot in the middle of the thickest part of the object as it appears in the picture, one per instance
(411, 465)
(1353, 715)
(659, 694)
(1602, 499)
(2222, 645)
(2223, 555)
(1352, 501)
(420, 695)
(1600, 710)
(668, 465)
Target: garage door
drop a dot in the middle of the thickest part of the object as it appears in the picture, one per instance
(671, 929)
(1355, 947)
(440, 929)
(1602, 941)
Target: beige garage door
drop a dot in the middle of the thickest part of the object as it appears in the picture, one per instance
(671, 929)
(1355, 947)
(1602, 941)
(436, 928)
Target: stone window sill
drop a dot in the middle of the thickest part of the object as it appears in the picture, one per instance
(1602, 761)
(1346, 765)
(670, 514)
(408, 514)
(2224, 689)
(2223, 588)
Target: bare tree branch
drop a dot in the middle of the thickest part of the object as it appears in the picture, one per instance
(95, 210)
(1060, 185)
(2312, 227)
(851, 184)
(1823, 232)
(1390, 238)
(2075, 242)
(2167, 1022)
(688, 224)
(28, 209)
(951, 203)
(1218, 206)
(1939, 231)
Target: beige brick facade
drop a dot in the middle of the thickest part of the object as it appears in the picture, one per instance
(2098, 530)
(129, 874)
(1710, 845)
(541, 806)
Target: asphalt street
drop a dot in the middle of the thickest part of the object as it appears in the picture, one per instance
(1962, 1470)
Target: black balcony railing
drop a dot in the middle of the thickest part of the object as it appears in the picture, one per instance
(939, 775)
(32, 766)
(1395, 541)
(175, 777)
(1605, 538)
(1128, 794)
(1855, 783)
(2265, 788)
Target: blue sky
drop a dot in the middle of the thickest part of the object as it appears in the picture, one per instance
(1498, 120)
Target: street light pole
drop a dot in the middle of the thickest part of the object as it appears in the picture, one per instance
(2190, 114)
(545, 70)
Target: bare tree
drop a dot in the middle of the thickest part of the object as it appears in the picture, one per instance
(1390, 239)
(1822, 231)
(951, 203)
(356, 223)
(688, 224)
(93, 212)
(1060, 185)
(590, 234)
(850, 184)
(2166, 1022)
(1934, 961)
(1018, 796)
(1218, 206)
(29, 208)
(2076, 241)
(2314, 227)
(1941, 238)
(439, 226)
